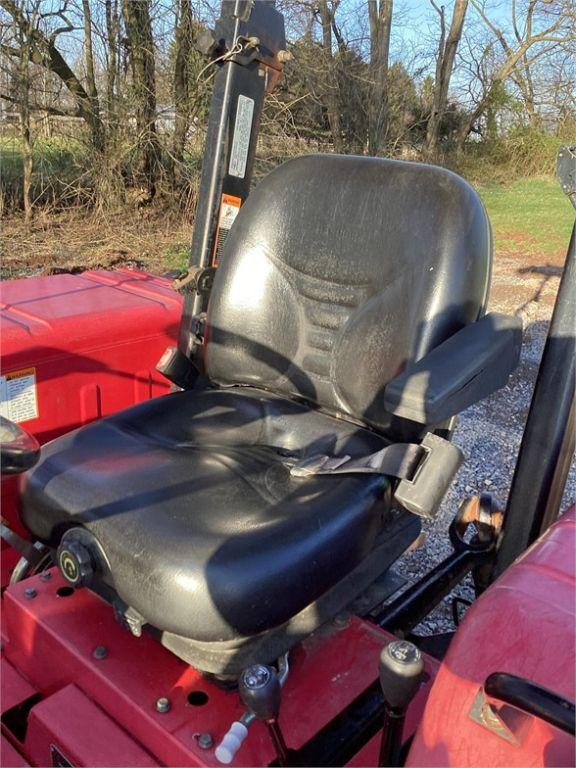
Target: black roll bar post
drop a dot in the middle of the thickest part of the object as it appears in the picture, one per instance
(247, 49)
(549, 436)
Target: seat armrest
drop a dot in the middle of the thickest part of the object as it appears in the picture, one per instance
(464, 369)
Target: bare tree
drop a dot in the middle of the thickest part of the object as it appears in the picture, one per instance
(111, 39)
(44, 51)
(22, 34)
(447, 48)
(327, 20)
(92, 90)
(183, 41)
(141, 54)
(558, 28)
(380, 17)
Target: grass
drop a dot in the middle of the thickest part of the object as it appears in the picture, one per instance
(58, 163)
(529, 217)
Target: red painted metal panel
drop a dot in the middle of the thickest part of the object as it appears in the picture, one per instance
(14, 688)
(68, 725)
(523, 625)
(51, 640)
(9, 757)
(93, 339)
(87, 336)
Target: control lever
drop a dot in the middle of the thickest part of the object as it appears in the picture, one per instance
(259, 689)
(401, 672)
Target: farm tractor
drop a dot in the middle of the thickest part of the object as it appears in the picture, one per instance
(206, 490)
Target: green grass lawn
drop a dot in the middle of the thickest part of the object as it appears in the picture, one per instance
(530, 216)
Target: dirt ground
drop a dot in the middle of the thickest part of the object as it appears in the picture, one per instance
(520, 279)
(153, 239)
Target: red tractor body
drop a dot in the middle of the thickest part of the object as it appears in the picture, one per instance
(87, 690)
(76, 348)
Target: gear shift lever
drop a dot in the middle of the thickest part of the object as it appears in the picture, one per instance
(401, 671)
(259, 689)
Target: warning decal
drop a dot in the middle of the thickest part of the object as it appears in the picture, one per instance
(18, 399)
(242, 134)
(229, 208)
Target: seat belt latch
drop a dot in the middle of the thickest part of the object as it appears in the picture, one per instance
(423, 493)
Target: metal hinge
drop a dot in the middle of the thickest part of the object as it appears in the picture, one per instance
(195, 280)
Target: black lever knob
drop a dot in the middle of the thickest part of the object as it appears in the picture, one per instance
(259, 689)
(401, 670)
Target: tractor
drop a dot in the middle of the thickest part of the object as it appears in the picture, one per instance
(206, 490)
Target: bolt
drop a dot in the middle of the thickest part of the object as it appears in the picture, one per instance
(30, 593)
(342, 620)
(205, 740)
(45, 575)
(100, 652)
(163, 705)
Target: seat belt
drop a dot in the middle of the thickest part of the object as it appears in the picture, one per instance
(425, 471)
(399, 460)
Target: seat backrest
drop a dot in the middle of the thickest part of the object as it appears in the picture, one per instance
(339, 271)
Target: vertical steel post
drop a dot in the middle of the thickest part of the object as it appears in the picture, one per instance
(548, 442)
(252, 35)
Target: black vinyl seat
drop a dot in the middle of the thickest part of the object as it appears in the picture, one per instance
(338, 272)
(205, 531)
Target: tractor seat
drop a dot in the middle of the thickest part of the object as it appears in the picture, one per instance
(202, 528)
(337, 274)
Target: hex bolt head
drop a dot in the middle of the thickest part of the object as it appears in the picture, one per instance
(163, 705)
(205, 741)
(30, 593)
(342, 620)
(45, 576)
(100, 652)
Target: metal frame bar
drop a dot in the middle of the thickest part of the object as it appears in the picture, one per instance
(549, 435)
(532, 699)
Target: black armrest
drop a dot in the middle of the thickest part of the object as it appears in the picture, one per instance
(467, 367)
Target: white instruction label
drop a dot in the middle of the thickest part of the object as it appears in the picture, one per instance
(241, 140)
(18, 399)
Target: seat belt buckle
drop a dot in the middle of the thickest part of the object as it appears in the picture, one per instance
(423, 493)
(319, 464)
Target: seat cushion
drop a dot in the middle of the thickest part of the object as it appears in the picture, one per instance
(203, 529)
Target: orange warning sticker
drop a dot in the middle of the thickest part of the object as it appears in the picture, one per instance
(18, 397)
(229, 208)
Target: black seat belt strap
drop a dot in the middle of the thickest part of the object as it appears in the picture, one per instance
(425, 470)
(397, 460)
